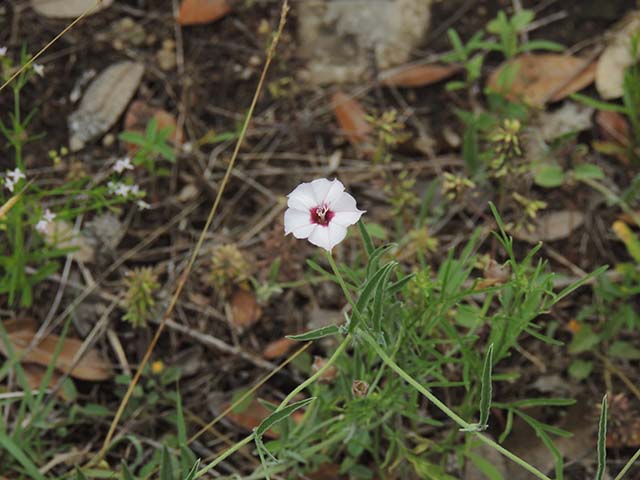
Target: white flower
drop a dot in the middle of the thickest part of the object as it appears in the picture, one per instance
(3, 51)
(142, 205)
(12, 177)
(46, 219)
(38, 68)
(321, 211)
(15, 175)
(122, 165)
(41, 226)
(48, 215)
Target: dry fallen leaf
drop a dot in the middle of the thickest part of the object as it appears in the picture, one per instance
(616, 135)
(542, 78)
(245, 309)
(139, 114)
(103, 102)
(68, 8)
(193, 12)
(417, 75)
(250, 417)
(92, 366)
(616, 57)
(278, 348)
(552, 226)
(351, 118)
(34, 375)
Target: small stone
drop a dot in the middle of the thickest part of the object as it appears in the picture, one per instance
(338, 36)
(108, 140)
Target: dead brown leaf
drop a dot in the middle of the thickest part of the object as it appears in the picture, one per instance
(278, 348)
(250, 417)
(103, 102)
(34, 375)
(352, 119)
(93, 366)
(194, 12)
(552, 226)
(543, 78)
(417, 75)
(139, 114)
(616, 57)
(245, 309)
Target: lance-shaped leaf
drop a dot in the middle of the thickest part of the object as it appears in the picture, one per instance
(485, 393)
(315, 334)
(280, 415)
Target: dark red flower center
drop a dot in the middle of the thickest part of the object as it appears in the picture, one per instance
(321, 215)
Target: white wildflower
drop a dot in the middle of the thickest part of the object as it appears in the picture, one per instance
(38, 68)
(321, 211)
(44, 222)
(122, 165)
(12, 177)
(3, 51)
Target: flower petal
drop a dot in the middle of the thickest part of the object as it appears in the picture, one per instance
(320, 238)
(346, 218)
(334, 193)
(322, 187)
(344, 203)
(302, 197)
(337, 233)
(298, 223)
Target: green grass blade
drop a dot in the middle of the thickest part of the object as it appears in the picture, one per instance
(16, 452)
(317, 333)
(602, 440)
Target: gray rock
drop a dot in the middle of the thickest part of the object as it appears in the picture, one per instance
(338, 36)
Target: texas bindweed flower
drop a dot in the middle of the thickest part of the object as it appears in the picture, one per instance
(321, 211)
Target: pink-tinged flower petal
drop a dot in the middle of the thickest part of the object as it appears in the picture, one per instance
(346, 218)
(345, 203)
(298, 223)
(302, 198)
(322, 187)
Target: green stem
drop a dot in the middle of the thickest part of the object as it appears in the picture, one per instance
(628, 465)
(284, 403)
(446, 410)
(233, 449)
(341, 281)
(316, 375)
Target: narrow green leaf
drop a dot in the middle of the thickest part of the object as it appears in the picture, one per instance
(399, 285)
(317, 333)
(485, 394)
(597, 104)
(126, 473)
(192, 473)
(602, 440)
(366, 238)
(166, 472)
(367, 291)
(280, 415)
(80, 475)
(378, 301)
(16, 452)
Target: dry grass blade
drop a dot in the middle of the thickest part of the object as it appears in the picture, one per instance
(46, 47)
(196, 250)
